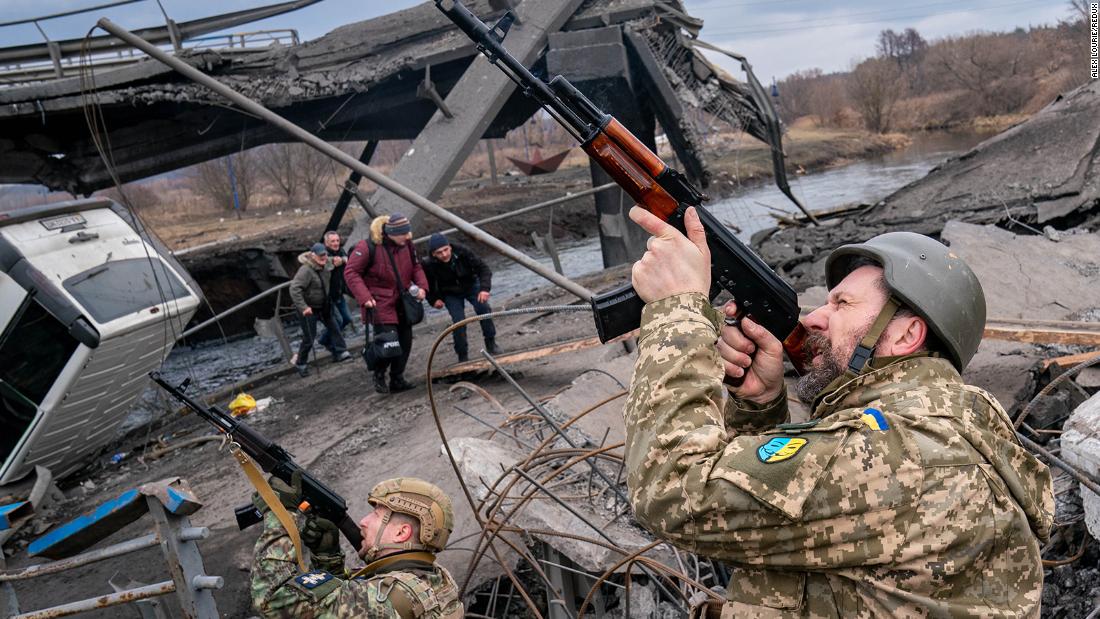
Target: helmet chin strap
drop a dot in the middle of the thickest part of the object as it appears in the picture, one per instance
(377, 546)
(866, 349)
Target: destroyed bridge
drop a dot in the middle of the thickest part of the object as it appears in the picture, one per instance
(408, 75)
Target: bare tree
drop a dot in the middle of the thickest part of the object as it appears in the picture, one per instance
(277, 165)
(227, 181)
(315, 170)
(905, 48)
(796, 94)
(1079, 10)
(874, 87)
(994, 68)
(134, 195)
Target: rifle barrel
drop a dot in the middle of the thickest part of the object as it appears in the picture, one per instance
(489, 42)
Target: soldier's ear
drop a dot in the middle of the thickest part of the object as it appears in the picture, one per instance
(904, 335)
(403, 533)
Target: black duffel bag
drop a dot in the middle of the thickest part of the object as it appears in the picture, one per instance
(381, 346)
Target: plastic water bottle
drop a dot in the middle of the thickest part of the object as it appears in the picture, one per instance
(414, 290)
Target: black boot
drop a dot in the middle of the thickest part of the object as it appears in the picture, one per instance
(491, 346)
(398, 384)
(463, 356)
(380, 382)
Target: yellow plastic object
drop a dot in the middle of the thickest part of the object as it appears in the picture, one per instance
(242, 405)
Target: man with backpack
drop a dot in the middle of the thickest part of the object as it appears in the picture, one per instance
(387, 281)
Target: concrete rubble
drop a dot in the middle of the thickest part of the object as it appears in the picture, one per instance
(1044, 171)
(1081, 448)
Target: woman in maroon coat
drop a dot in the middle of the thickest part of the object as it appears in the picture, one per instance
(370, 278)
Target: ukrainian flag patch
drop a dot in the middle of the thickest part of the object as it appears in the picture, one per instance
(779, 449)
(874, 419)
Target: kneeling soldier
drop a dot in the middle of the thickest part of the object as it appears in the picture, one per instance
(411, 521)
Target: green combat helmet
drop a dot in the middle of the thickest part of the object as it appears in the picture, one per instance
(421, 500)
(927, 278)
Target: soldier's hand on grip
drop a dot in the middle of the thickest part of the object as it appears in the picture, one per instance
(749, 350)
(674, 264)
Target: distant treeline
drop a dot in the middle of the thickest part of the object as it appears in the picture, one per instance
(914, 84)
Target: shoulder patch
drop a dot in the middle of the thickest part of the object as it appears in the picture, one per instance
(779, 449)
(312, 580)
(358, 253)
(874, 419)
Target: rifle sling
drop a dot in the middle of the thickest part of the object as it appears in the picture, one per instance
(272, 500)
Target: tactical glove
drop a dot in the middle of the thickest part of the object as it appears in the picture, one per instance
(321, 535)
(323, 540)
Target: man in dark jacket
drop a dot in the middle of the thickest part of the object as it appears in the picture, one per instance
(456, 275)
(339, 259)
(310, 292)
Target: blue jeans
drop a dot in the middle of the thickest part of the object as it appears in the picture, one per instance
(340, 316)
(456, 306)
(309, 331)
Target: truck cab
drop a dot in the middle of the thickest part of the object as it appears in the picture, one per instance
(90, 302)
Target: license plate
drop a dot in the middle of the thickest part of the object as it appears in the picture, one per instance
(62, 221)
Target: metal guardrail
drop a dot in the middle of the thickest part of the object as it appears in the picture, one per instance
(266, 293)
(24, 64)
(70, 66)
(172, 532)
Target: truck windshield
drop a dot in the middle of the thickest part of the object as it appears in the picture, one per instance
(120, 287)
(35, 347)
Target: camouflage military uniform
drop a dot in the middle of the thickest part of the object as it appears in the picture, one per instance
(905, 495)
(405, 585)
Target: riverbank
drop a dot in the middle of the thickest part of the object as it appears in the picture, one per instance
(735, 161)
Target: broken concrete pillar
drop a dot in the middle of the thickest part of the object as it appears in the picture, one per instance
(1081, 448)
(595, 61)
(443, 145)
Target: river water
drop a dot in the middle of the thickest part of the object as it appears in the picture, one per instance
(215, 365)
(862, 182)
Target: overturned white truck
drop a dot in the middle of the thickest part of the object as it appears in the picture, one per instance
(89, 304)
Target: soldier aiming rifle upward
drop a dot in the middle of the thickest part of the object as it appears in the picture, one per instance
(411, 521)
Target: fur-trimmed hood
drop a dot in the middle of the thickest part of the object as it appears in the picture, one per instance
(306, 258)
(376, 228)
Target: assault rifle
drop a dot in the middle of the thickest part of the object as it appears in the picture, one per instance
(660, 189)
(272, 459)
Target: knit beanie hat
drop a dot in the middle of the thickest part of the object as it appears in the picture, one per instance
(437, 241)
(397, 225)
(320, 249)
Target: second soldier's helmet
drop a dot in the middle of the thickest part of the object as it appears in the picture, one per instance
(927, 278)
(421, 500)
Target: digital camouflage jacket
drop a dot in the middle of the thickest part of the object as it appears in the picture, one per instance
(399, 586)
(906, 495)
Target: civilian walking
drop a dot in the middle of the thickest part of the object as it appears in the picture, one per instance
(456, 275)
(309, 290)
(339, 258)
(380, 268)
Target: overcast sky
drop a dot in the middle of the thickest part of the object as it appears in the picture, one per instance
(778, 36)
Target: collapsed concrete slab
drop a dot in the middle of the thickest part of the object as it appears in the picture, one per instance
(1081, 448)
(1029, 276)
(1043, 171)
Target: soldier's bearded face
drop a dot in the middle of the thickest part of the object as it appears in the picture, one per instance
(829, 362)
(836, 328)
